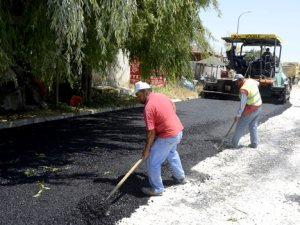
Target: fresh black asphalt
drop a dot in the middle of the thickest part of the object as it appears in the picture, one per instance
(60, 172)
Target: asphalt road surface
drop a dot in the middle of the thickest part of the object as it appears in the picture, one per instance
(61, 172)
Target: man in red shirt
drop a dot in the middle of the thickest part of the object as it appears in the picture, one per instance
(164, 133)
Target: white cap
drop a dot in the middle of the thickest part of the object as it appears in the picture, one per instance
(238, 77)
(140, 86)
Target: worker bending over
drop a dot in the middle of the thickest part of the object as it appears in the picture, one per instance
(164, 133)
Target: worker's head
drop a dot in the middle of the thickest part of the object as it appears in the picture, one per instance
(142, 90)
(267, 49)
(239, 79)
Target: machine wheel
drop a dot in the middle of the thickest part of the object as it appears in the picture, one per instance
(202, 95)
(286, 94)
(291, 82)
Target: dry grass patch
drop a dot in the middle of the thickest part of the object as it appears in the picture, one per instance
(177, 91)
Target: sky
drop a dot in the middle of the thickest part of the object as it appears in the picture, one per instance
(266, 16)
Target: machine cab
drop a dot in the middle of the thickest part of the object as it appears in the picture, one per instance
(254, 55)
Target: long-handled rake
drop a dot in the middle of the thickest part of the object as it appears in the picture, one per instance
(222, 142)
(124, 178)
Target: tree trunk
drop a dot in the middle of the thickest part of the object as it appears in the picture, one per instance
(86, 82)
(57, 90)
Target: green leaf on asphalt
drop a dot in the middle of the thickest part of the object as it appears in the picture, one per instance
(50, 169)
(42, 187)
(29, 172)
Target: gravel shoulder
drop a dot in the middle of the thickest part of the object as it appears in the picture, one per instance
(243, 186)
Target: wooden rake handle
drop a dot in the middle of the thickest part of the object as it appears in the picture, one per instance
(124, 178)
(222, 142)
(230, 128)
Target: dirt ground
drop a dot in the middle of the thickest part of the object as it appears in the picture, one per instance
(61, 172)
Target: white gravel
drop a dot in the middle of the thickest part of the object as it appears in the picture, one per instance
(245, 186)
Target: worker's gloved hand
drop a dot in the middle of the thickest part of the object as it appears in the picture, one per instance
(237, 118)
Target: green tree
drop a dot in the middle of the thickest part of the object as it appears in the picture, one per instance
(62, 39)
(252, 55)
(162, 32)
(65, 40)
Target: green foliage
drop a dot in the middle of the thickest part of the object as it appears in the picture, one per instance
(162, 33)
(6, 38)
(45, 58)
(90, 31)
(64, 107)
(110, 98)
(55, 39)
(29, 42)
(251, 55)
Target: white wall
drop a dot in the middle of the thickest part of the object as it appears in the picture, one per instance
(118, 76)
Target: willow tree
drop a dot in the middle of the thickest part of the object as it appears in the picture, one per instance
(62, 39)
(90, 32)
(162, 32)
(66, 39)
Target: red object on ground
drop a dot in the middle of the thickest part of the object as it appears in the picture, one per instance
(75, 100)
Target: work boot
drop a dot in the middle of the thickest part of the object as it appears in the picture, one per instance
(180, 180)
(150, 192)
(252, 145)
(231, 146)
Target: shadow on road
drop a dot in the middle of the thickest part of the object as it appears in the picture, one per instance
(49, 150)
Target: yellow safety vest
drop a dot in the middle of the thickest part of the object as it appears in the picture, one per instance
(253, 97)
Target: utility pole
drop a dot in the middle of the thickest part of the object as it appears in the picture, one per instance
(238, 23)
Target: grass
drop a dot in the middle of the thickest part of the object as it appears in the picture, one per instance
(177, 91)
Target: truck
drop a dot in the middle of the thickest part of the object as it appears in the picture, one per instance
(291, 69)
(255, 56)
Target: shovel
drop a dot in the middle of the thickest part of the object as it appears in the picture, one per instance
(222, 142)
(124, 178)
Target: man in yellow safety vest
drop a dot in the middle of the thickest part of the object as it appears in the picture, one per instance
(249, 110)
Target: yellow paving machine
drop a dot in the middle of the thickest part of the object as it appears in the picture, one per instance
(255, 56)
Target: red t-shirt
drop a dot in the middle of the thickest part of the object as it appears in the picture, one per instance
(160, 116)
